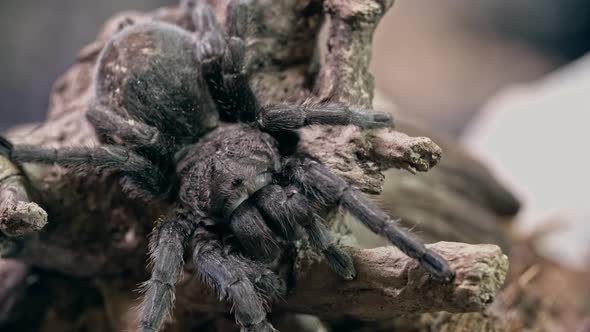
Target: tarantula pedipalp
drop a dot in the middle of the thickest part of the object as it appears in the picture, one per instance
(178, 122)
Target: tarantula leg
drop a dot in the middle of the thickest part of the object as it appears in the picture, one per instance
(338, 259)
(204, 19)
(140, 177)
(272, 202)
(281, 117)
(266, 281)
(287, 207)
(328, 189)
(166, 253)
(238, 17)
(112, 128)
(231, 282)
(254, 235)
(221, 59)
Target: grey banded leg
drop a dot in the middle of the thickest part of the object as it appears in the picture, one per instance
(256, 238)
(221, 58)
(231, 281)
(166, 254)
(287, 207)
(141, 178)
(281, 117)
(323, 186)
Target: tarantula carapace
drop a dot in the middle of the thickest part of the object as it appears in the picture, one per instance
(178, 122)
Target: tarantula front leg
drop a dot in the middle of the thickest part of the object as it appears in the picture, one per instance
(329, 190)
(140, 177)
(222, 60)
(166, 252)
(256, 238)
(231, 277)
(286, 208)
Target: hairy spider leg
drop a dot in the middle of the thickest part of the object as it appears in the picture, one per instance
(231, 281)
(281, 117)
(269, 285)
(166, 255)
(140, 177)
(167, 246)
(222, 60)
(272, 201)
(286, 208)
(328, 189)
(256, 238)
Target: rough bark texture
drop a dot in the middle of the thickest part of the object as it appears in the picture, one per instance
(95, 232)
(18, 216)
(388, 284)
(389, 279)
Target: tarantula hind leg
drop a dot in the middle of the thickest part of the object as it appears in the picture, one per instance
(230, 276)
(287, 207)
(166, 255)
(274, 118)
(326, 188)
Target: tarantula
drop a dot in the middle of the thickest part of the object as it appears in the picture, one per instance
(178, 122)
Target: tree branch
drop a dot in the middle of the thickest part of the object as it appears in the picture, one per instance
(18, 215)
(388, 284)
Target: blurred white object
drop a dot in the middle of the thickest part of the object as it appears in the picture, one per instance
(537, 138)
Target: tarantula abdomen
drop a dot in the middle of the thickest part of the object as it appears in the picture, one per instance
(151, 73)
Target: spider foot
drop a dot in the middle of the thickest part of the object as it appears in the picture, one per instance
(238, 17)
(269, 285)
(203, 17)
(212, 43)
(329, 190)
(340, 262)
(371, 119)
